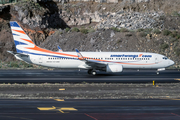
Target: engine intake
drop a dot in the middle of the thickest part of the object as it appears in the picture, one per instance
(114, 68)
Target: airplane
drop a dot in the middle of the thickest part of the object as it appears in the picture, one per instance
(110, 62)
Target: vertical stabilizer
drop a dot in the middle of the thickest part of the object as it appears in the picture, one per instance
(21, 39)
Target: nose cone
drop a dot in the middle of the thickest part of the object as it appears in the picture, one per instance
(171, 62)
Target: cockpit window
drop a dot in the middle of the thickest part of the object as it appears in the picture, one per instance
(165, 58)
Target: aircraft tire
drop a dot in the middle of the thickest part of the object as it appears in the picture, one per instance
(90, 71)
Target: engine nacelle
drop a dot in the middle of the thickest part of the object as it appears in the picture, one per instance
(114, 68)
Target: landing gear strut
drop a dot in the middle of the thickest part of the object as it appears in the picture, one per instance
(92, 72)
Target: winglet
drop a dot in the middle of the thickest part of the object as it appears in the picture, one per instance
(80, 57)
(77, 50)
(60, 50)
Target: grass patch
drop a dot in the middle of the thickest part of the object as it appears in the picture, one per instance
(178, 36)
(140, 30)
(14, 65)
(166, 32)
(91, 30)
(75, 29)
(175, 13)
(156, 31)
(115, 29)
(124, 30)
(174, 40)
(173, 34)
(67, 29)
(25, 65)
(83, 30)
(148, 30)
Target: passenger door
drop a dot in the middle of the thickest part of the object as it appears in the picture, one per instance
(156, 59)
(40, 59)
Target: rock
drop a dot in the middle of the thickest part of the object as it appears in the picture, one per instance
(132, 20)
(16, 8)
(92, 41)
(112, 34)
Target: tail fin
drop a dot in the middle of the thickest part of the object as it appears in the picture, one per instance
(21, 39)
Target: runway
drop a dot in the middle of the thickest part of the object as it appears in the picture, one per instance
(75, 76)
(56, 109)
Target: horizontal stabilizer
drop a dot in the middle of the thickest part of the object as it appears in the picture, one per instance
(15, 53)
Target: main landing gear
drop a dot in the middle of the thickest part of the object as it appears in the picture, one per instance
(92, 72)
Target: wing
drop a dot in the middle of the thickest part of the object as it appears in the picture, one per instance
(91, 63)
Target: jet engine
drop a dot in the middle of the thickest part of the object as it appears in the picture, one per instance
(114, 68)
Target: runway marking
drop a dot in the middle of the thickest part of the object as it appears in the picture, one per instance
(16, 117)
(90, 116)
(47, 108)
(59, 99)
(175, 114)
(62, 89)
(175, 99)
(177, 79)
(57, 109)
(170, 98)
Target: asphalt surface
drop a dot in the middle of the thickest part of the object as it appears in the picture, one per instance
(75, 76)
(90, 109)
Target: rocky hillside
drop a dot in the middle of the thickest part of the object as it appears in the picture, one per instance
(129, 25)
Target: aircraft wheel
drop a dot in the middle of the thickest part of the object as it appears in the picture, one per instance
(90, 71)
(93, 73)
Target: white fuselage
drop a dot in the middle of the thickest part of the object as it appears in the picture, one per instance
(126, 59)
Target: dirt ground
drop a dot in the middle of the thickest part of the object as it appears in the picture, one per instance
(90, 91)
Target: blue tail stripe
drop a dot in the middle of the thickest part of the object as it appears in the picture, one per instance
(16, 34)
(14, 24)
(19, 43)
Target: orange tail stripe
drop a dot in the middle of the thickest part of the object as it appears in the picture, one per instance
(20, 31)
(48, 51)
(27, 40)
